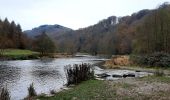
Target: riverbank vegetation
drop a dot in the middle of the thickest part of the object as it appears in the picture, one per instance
(77, 73)
(158, 59)
(31, 92)
(4, 94)
(153, 60)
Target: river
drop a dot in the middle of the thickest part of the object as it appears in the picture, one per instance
(46, 74)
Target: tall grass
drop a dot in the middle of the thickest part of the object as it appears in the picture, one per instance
(4, 94)
(78, 73)
(31, 91)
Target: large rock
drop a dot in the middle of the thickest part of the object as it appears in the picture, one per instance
(128, 75)
(117, 76)
(103, 75)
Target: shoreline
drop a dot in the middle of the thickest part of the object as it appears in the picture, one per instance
(150, 82)
(32, 57)
(125, 88)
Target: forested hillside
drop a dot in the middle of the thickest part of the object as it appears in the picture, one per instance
(143, 32)
(153, 33)
(113, 35)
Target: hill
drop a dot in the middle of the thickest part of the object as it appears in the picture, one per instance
(113, 35)
(50, 30)
(145, 31)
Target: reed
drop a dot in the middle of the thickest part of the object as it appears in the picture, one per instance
(4, 94)
(31, 91)
(78, 73)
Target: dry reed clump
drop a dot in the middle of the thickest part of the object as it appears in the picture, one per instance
(78, 73)
(117, 61)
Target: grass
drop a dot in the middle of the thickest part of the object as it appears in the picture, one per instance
(18, 52)
(87, 90)
(146, 88)
(125, 85)
(154, 78)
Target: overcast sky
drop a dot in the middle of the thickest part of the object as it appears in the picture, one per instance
(70, 13)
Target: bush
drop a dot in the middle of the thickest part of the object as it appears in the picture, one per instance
(4, 94)
(78, 73)
(158, 59)
(31, 91)
(139, 60)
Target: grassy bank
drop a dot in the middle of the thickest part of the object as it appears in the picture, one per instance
(146, 88)
(18, 54)
(92, 89)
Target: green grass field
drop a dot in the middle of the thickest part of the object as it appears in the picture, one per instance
(18, 54)
(88, 90)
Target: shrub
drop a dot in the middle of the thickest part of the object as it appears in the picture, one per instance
(34, 56)
(31, 91)
(4, 94)
(138, 59)
(158, 59)
(78, 73)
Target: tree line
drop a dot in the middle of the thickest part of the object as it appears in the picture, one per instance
(144, 32)
(153, 34)
(12, 37)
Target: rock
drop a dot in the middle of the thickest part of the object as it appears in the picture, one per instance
(137, 71)
(128, 75)
(103, 75)
(117, 76)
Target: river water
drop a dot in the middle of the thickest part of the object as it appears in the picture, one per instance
(46, 74)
